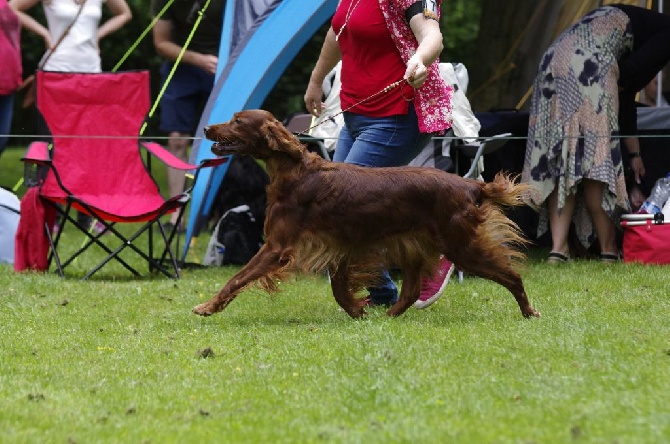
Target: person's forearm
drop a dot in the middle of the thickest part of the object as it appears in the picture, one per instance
(170, 51)
(632, 145)
(33, 25)
(113, 24)
(429, 38)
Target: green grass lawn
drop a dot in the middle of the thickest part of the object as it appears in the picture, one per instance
(122, 360)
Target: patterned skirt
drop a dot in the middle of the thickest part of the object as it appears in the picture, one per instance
(574, 116)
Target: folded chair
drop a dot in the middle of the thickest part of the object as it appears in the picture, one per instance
(95, 165)
(473, 152)
(299, 124)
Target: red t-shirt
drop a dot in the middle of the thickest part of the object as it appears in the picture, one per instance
(370, 61)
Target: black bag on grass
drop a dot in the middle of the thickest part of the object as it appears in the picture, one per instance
(236, 238)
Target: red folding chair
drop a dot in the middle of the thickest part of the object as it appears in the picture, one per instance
(95, 165)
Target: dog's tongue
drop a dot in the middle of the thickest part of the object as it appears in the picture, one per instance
(219, 146)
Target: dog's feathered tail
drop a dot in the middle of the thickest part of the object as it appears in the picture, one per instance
(497, 228)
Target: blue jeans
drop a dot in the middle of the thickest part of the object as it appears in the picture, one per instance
(380, 142)
(6, 110)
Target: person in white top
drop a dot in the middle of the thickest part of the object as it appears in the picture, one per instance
(79, 50)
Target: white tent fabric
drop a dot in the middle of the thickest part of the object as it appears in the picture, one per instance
(10, 208)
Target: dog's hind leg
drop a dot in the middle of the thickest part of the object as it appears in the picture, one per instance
(497, 268)
(264, 263)
(340, 284)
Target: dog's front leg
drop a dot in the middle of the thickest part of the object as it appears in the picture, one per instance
(409, 292)
(339, 283)
(263, 263)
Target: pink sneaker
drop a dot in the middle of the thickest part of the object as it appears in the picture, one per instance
(432, 288)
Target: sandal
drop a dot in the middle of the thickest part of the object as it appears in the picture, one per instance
(609, 258)
(556, 258)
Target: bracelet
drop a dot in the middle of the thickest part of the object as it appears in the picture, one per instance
(634, 155)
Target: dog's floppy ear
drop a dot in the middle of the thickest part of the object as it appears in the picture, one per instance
(280, 139)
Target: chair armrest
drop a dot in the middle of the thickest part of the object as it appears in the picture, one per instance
(173, 161)
(475, 152)
(167, 157)
(216, 161)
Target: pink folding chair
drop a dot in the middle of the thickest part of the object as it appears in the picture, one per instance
(95, 164)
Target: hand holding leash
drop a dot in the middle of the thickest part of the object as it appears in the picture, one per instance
(416, 72)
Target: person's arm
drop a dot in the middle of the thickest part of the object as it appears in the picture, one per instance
(428, 34)
(635, 71)
(632, 145)
(120, 16)
(29, 23)
(328, 58)
(166, 48)
(628, 129)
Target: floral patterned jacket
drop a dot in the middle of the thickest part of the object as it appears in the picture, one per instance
(433, 100)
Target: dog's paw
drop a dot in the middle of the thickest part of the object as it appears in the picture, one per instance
(530, 312)
(203, 309)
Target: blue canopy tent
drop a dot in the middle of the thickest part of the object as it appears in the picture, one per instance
(259, 40)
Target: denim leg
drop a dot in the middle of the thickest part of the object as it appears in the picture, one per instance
(380, 142)
(6, 110)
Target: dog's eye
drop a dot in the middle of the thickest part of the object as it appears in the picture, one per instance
(238, 121)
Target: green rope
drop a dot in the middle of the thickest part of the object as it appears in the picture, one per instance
(18, 184)
(141, 37)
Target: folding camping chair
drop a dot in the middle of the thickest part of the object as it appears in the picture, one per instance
(474, 152)
(95, 165)
(298, 124)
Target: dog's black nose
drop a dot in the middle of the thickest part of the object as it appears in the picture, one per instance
(206, 129)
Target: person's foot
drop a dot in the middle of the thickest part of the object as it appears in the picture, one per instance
(433, 287)
(609, 258)
(557, 258)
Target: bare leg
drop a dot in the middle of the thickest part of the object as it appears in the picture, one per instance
(593, 195)
(262, 264)
(559, 222)
(177, 145)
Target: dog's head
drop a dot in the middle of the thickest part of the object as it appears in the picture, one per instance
(255, 133)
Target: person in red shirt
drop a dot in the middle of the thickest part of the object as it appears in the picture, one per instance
(392, 95)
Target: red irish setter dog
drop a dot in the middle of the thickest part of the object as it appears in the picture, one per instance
(351, 220)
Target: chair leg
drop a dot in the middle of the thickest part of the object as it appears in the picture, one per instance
(154, 264)
(53, 254)
(128, 242)
(167, 251)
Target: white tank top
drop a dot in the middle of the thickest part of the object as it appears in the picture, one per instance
(78, 52)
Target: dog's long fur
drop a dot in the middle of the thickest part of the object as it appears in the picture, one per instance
(351, 220)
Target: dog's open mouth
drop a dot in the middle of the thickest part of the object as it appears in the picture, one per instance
(224, 145)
